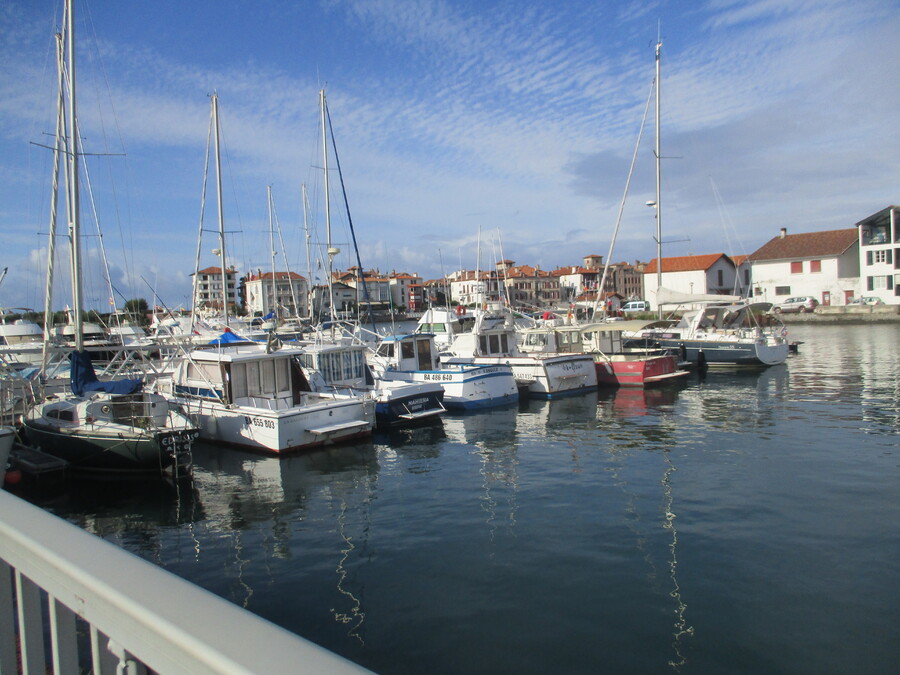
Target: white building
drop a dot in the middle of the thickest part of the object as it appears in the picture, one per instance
(824, 265)
(289, 299)
(208, 294)
(714, 273)
(401, 286)
(879, 241)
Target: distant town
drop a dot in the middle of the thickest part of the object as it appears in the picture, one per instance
(834, 267)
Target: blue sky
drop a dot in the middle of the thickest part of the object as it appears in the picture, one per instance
(518, 119)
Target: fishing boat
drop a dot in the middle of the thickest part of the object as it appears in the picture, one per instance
(632, 367)
(493, 342)
(445, 324)
(342, 367)
(110, 426)
(467, 386)
(244, 394)
(603, 342)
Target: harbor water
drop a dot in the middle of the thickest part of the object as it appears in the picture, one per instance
(744, 522)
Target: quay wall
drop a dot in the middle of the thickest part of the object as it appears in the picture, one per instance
(846, 315)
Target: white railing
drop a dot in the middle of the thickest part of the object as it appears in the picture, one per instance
(107, 610)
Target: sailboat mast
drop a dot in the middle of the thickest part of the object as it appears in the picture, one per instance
(272, 245)
(309, 270)
(658, 191)
(74, 204)
(331, 252)
(54, 197)
(215, 105)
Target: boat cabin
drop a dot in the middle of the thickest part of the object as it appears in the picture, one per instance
(336, 365)
(409, 352)
(550, 339)
(243, 374)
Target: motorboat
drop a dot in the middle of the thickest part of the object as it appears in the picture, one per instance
(247, 394)
(493, 341)
(466, 386)
(618, 366)
(342, 367)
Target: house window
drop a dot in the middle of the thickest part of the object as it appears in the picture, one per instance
(797, 267)
(782, 290)
(721, 278)
(815, 265)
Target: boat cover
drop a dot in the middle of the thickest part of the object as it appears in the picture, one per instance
(667, 296)
(226, 338)
(84, 379)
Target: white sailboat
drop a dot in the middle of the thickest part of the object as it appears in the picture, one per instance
(111, 426)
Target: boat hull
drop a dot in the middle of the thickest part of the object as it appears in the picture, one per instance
(407, 404)
(727, 352)
(466, 386)
(636, 370)
(542, 376)
(108, 451)
(321, 420)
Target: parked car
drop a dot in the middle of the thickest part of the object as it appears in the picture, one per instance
(800, 303)
(635, 306)
(866, 300)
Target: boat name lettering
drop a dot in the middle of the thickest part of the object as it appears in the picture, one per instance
(259, 422)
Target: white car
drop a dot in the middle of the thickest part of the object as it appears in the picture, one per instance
(800, 304)
(865, 300)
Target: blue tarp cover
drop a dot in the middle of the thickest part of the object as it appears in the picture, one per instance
(226, 338)
(83, 378)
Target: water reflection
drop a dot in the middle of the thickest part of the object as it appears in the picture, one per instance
(259, 505)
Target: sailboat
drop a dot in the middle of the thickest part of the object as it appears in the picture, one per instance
(716, 330)
(108, 426)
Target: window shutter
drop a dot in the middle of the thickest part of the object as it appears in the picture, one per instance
(869, 259)
(870, 283)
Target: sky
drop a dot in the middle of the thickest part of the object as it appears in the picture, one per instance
(467, 132)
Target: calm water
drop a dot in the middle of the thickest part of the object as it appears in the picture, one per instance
(745, 523)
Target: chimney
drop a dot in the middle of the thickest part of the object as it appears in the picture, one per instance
(783, 232)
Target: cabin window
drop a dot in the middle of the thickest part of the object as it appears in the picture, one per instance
(797, 267)
(386, 349)
(482, 344)
(504, 344)
(495, 343)
(407, 350)
(62, 415)
(536, 340)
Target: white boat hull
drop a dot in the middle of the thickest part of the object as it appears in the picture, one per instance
(321, 419)
(545, 376)
(467, 386)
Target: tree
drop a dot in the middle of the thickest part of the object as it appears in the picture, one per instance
(138, 308)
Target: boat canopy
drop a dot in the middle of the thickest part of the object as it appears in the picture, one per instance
(666, 296)
(83, 378)
(618, 326)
